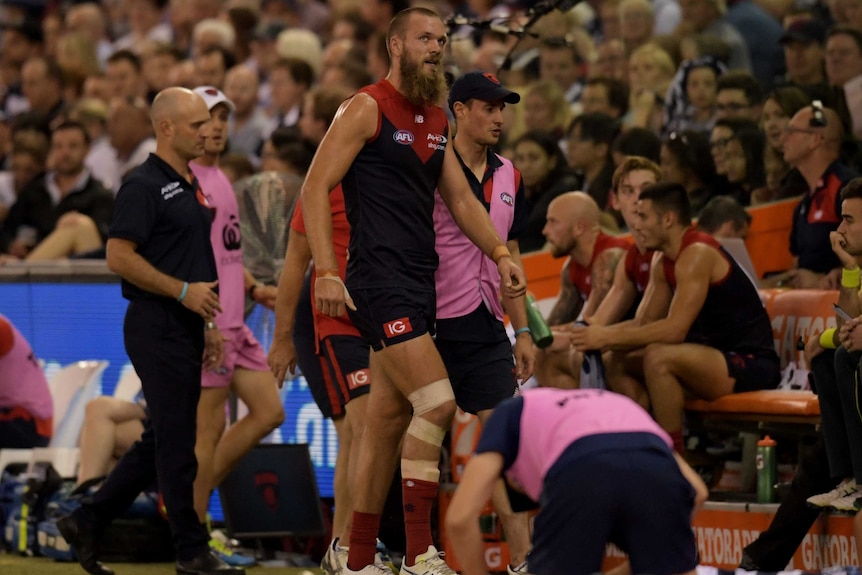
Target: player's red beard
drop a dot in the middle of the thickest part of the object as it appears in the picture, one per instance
(420, 87)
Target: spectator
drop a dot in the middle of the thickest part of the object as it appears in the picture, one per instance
(779, 106)
(611, 61)
(67, 204)
(559, 63)
(211, 66)
(26, 408)
(650, 73)
(761, 33)
(26, 162)
(249, 122)
(708, 17)
(212, 33)
(636, 142)
(303, 45)
(146, 22)
(589, 153)
(722, 133)
(20, 43)
(843, 55)
(76, 56)
(88, 18)
(637, 20)
(685, 160)
(812, 145)
(42, 85)
(157, 59)
(545, 173)
(546, 109)
(131, 133)
(606, 96)
(123, 72)
(102, 158)
(743, 157)
(724, 217)
(738, 96)
(319, 110)
(289, 80)
(805, 56)
(237, 166)
(691, 97)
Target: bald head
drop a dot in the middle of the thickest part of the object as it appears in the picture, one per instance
(571, 216)
(179, 117)
(577, 207)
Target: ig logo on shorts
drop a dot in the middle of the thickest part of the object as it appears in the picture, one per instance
(397, 327)
(357, 378)
(403, 137)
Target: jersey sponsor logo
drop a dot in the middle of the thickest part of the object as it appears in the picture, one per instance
(507, 199)
(171, 190)
(397, 327)
(403, 137)
(358, 378)
(230, 234)
(436, 141)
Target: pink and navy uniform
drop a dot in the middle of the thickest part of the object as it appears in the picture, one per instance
(733, 321)
(26, 407)
(602, 471)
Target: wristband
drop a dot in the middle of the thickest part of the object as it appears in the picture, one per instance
(827, 339)
(521, 330)
(184, 292)
(500, 252)
(210, 325)
(850, 278)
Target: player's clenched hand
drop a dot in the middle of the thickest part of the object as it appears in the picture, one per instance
(584, 338)
(513, 282)
(331, 295)
(281, 358)
(202, 299)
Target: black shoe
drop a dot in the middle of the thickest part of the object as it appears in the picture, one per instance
(207, 564)
(81, 535)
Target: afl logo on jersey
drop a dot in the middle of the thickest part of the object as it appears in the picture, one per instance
(507, 199)
(403, 137)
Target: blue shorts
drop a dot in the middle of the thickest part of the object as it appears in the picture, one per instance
(482, 374)
(392, 315)
(636, 498)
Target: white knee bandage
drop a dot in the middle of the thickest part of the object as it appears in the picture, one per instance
(425, 431)
(422, 469)
(430, 396)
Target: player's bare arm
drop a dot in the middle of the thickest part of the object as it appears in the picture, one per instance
(696, 267)
(618, 300)
(355, 123)
(602, 274)
(282, 354)
(569, 301)
(124, 260)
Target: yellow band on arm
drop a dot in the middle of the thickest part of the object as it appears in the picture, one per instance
(850, 278)
(827, 339)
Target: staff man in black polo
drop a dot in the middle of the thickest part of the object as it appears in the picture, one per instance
(159, 243)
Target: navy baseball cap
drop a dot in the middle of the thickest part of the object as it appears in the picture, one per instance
(805, 31)
(481, 86)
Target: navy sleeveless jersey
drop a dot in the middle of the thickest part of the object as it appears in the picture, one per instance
(389, 195)
(733, 317)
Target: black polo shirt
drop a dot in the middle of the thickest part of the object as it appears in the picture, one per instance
(167, 218)
(480, 325)
(817, 214)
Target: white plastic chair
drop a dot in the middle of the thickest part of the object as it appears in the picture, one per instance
(128, 385)
(71, 388)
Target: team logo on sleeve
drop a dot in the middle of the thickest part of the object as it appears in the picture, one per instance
(403, 137)
(507, 199)
(358, 378)
(397, 327)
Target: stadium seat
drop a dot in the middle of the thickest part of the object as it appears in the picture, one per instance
(71, 388)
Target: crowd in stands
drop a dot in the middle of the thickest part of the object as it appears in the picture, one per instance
(718, 92)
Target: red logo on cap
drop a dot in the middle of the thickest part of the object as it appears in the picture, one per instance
(492, 77)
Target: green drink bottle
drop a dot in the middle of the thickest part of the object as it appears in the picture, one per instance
(539, 330)
(767, 470)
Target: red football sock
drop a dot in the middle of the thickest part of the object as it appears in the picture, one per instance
(678, 442)
(418, 498)
(363, 540)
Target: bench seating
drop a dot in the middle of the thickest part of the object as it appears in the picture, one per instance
(793, 314)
